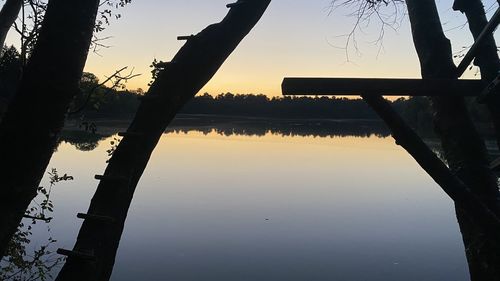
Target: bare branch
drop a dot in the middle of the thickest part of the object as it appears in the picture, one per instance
(388, 14)
(118, 81)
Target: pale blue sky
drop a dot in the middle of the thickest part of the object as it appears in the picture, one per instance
(294, 38)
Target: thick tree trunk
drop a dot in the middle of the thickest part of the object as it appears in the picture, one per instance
(35, 117)
(8, 16)
(193, 66)
(483, 254)
(487, 56)
(464, 150)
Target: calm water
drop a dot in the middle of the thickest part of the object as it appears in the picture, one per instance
(222, 206)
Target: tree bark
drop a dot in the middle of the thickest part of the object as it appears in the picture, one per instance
(487, 56)
(191, 68)
(31, 126)
(464, 150)
(8, 16)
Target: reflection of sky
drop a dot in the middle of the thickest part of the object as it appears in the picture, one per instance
(339, 209)
(294, 38)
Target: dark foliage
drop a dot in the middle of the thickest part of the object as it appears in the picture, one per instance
(287, 107)
(10, 72)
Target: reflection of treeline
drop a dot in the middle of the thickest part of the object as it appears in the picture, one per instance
(284, 127)
(208, 114)
(82, 140)
(228, 126)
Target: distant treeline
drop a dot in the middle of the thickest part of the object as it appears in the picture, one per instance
(123, 104)
(416, 110)
(279, 107)
(96, 101)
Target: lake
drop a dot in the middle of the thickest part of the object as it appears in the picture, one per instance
(297, 201)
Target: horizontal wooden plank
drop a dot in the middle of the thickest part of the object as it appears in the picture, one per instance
(380, 86)
(76, 254)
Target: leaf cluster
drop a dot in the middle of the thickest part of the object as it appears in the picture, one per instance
(106, 13)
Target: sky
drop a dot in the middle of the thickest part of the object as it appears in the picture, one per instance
(295, 38)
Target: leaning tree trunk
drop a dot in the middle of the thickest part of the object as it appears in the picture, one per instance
(191, 68)
(464, 150)
(8, 16)
(487, 56)
(406, 137)
(30, 128)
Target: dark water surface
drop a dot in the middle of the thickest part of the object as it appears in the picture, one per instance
(282, 202)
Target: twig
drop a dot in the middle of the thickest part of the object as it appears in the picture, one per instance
(116, 83)
(38, 218)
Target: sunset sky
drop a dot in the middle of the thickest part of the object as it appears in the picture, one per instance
(294, 38)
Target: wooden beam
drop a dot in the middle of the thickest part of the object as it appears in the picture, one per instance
(76, 254)
(95, 218)
(187, 37)
(386, 87)
(130, 134)
(232, 5)
(110, 178)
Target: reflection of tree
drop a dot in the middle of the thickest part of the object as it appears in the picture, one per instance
(19, 264)
(227, 126)
(86, 140)
(82, 140)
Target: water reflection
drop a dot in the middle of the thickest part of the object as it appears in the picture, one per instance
(87, 140)
(345, 205)
(82, 140)
(282, 127)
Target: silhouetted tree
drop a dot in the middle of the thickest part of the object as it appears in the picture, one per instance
(35, 117)
(33, 12)
(8, 16)
(487, 56)
(464, 150)
(176, 83)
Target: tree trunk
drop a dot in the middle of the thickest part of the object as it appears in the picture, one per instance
(464, 150)
(8, 16)
(30, 128)
(191, 68)
(489, 63)
(487, 56)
